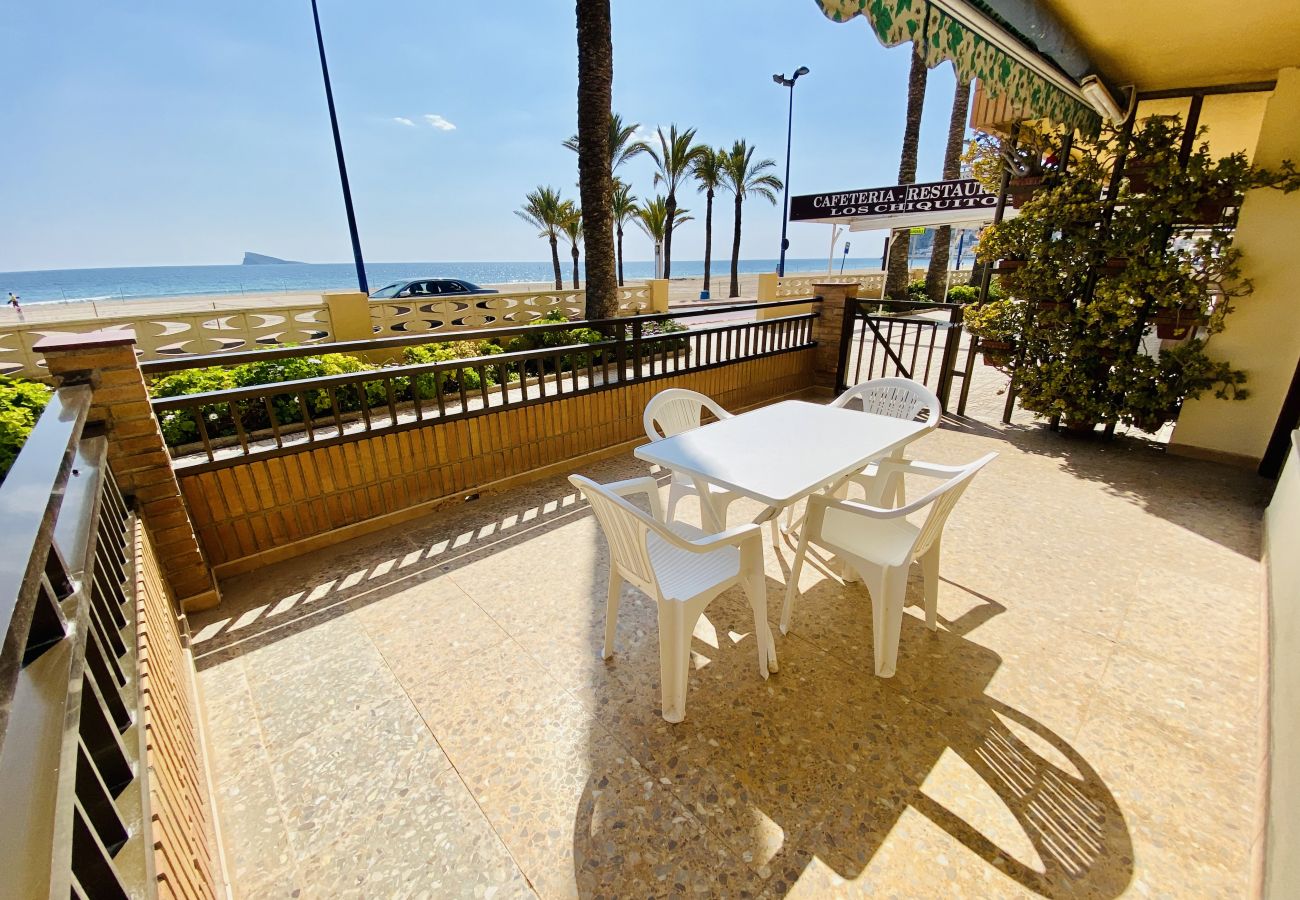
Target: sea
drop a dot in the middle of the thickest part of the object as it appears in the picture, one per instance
(133, 283)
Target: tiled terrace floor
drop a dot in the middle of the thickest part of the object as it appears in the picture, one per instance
(425, 712)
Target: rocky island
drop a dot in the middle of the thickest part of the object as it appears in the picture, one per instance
(258, 259)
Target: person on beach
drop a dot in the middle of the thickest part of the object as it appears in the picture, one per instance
(13, 301)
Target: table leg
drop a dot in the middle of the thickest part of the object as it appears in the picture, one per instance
(709, 516)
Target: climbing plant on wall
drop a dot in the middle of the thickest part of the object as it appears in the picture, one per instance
(1116, 299)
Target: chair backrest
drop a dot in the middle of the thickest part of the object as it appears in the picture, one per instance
(898, 398)
(941, 507)
(625, 529)
(676, 410)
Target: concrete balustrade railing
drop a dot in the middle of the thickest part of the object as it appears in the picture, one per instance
(335, 316)
(870, 284)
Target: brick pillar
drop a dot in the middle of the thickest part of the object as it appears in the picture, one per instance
(827, 329)
(137, 455)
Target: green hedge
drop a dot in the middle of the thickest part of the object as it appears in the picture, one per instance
(21, 403)
(180, 427)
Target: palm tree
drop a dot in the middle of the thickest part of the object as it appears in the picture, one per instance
(707, 170)
(621, 146)
(596, 189)
(744, 177)
(571, 225)
(936, 278)
(674, 158)
(652, 217)
(544, 210)
(900, 246)
(624, 209)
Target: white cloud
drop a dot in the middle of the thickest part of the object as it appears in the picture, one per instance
(439, 122)
(402, 120)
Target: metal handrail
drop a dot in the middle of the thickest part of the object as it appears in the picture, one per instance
(29, 505)
(282, 417)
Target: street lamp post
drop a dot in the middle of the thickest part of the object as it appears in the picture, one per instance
(789, 128)
(338, 152)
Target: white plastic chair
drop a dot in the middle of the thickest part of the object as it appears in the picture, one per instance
(682, 570)
(671, 412)
(880, 545)
(898, 398)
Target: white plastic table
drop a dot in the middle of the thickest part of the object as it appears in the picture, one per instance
(781, 453)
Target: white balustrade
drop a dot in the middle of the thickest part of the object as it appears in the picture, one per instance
(180, 334)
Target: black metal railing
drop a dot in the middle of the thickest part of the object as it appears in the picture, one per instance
(228, 425)
(894, 338)
(75, 822)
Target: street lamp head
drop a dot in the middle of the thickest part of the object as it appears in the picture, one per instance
(779, 79)
(802, 70)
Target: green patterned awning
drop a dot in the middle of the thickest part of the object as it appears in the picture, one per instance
(978, 48)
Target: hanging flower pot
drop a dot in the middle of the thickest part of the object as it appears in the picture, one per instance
(1210, 210)
(1021, 189)
(997, 353)
(1177, 324)
(1056, 308)
(1114, 265)
(1138, 172)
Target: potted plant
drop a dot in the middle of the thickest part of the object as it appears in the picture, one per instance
(997, 324)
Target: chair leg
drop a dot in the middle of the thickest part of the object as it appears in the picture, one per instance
(675, 492)
(776, 533)
(611, 612)
(674, 659)
(756, 591)
(793, 587)
(930, 572)
(888, 588)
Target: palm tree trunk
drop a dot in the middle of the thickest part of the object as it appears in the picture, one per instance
(595, 183)
(671, 209)
(575, 270)
(708, 235)
(555, 261)
(900, 247)
(620, 255)
(735, 254)
(936, 279)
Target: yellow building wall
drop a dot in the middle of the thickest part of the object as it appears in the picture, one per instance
(1263, 335)
(1232, 120)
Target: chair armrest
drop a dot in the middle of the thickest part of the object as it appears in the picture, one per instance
(913, 467)
(874, 512)
(643, 485)
(732, 537)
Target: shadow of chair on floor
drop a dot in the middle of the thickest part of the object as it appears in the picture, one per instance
(868, 750)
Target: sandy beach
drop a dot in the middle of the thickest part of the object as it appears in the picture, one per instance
(682, 291)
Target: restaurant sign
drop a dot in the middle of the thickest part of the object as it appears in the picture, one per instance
(900, 200)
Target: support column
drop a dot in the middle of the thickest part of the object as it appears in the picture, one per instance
(828, 330)
(658, 295)
(349, 313)
(1263, 333)
(137, 455)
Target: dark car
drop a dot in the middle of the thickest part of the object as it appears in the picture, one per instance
(428, 287)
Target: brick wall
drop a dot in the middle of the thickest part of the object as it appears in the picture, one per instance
(265, 509)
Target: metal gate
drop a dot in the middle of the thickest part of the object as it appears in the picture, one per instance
(900, 338)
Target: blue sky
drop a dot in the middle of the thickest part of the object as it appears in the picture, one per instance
(175, 134)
